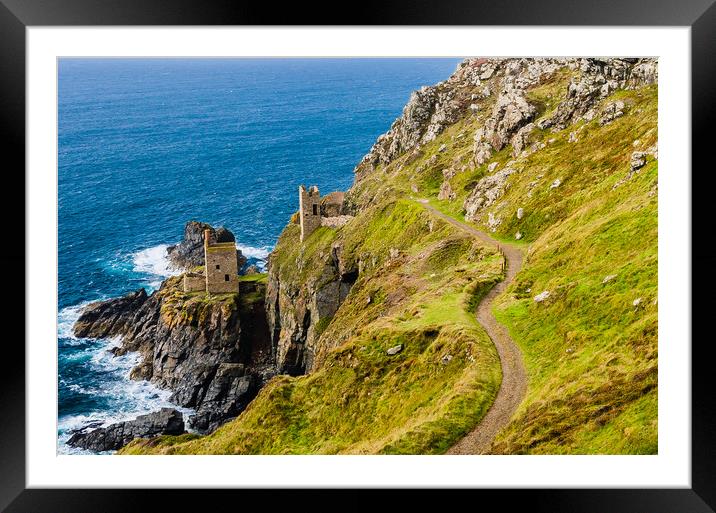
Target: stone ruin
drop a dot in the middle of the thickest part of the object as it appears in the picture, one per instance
(221, 269)
(314, 211)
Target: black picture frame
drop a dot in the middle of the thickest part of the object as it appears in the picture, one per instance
(17, 15)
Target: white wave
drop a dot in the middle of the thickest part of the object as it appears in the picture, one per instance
(128, 398)
(154, 261)
(252, 252)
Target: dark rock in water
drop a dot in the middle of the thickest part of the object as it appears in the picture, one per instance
(105, 318)
(166, 421)
(189, 253)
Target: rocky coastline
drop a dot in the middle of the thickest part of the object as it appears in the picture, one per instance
(213, 352)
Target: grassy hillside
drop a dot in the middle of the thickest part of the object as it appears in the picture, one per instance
(590, 348)
(363, 400)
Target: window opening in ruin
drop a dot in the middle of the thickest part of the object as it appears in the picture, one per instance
(315, 209)
(226, 277)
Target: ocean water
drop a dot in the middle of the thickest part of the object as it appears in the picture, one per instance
(145, 145)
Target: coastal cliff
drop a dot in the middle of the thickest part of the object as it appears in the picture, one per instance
(212, 351)
(372, 324)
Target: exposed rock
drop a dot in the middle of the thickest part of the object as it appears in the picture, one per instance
(491, 168)
(572, 137)
(184, 340)
(189, 252)
(636, 302)
(394, 350)
(598, 79)
(541, 296)
(638, 160)
(446, 192)
(487, 190)
(103, 319)
(166, 421)
(519, 141)
(611, 111)
(252, 269)
(510, 113)
(493, 222)
(442, 148)
(518, 235)
(446, 359)
(556, 184)
(608, 278)
(520, 213)
(228, 394)
(294, 310)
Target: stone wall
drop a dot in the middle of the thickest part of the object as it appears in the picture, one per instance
(222, 270)
(309, 210)
(194, 282)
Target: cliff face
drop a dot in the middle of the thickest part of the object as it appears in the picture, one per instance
(297, 312)
(212, 352)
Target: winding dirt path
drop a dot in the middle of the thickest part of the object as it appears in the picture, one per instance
(514, 376)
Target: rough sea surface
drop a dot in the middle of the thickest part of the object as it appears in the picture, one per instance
(145, 145)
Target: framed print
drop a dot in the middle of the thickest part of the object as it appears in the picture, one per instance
(426, 250)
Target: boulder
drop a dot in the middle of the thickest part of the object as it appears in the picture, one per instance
(446, 192)
(166, 421)
(541, 296)
(638, 160)
(611, 111)
(394, 350)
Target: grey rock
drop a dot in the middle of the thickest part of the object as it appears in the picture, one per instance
(520, 213)
(394, 350)
(446, 192)
(611, 111)
(542, 296)
(638, 160)
(189, 252)
(166, 421)
(487, 190)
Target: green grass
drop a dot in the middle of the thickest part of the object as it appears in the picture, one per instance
(591, 355)
(360, 400)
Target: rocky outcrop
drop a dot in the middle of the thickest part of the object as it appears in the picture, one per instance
(611, 111)
(510, 113)
(486, 192)
(107, 318)
(212, 352)
(296, 311)
(598, 79)
(189, 253)
(166, 421)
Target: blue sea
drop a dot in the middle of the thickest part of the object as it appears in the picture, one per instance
(145, 145)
